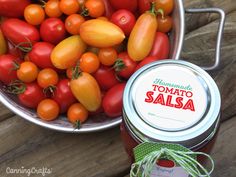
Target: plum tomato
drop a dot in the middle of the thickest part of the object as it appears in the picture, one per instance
(63, 95)
(106, 77)
(73, 22)
(107, 56)
(89, 62)
(52, 8)
(112, 102)
(124, 19)
(34, 14)
(48, 109)
(94, 8)
(52, 30)
(124, 65)
(27, 72)
(8, 68)
(77, 114)
(40, 54)
(69, 7)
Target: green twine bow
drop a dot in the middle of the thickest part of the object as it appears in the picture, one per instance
(185, 159)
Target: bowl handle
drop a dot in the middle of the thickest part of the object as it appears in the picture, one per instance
(219, 35)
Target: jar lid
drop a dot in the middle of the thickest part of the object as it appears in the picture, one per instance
(171, 101)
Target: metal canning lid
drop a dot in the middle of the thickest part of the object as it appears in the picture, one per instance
(172, 101)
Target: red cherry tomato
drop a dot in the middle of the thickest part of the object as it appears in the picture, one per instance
(13, 8)
(161, 46)
(108, 9)
(52, 30)
(32, 95)
(20, 32)
(130, 5)
(145, 61)
(106, 77)
(112, 100)
(7, 71)
(124, 19)
(144, 5)
(40, 54)
(63, 95)
(125, 66)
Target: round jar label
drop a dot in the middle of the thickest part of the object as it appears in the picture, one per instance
(170, 98)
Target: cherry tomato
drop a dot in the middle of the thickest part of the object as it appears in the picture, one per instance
(125, 66)
(108, 9)
(144, 5)
(89, 62)
(47, 77)
(112, 101)
(34, 14)
(48, 109)
(164, 23)
(166, 5)
(27, 72)
(13, 8)
(145, 29)
(40, 54)
(20, 32)
(32, 95)
(69, 7)
(161, 46)
(107, 56)
(124, 19)
(106, 77)
(7, 68)
(52, 8)
(52, 30)
(63, 95)
(145, 61)
(77, 114)
(95, 8)
(67, 52)
(130, 5)
(73, 22)
(101, 33)
(86, 90)
(3, 44)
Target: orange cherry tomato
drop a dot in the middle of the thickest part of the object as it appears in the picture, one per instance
(166, 5)
(48, 109)
(142, 36)
(34, 14)
(47, 77)
(164, 23)
(95, 8)
(69, 7)
(52, 8)
(107, 56)
(27, 72)
(87, 91)
(77, 114)
(89, 62)
(73, 22)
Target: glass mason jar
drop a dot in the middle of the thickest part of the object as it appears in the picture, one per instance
(171, 101)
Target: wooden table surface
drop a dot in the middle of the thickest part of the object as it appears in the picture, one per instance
(24, 145)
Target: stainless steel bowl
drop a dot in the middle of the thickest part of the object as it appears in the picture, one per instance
(99, 122)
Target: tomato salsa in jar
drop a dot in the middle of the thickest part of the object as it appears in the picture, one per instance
(171, 101)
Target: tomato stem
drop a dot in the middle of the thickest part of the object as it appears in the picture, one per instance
(152, 9)
(16, 87)
(49, 90)
(119, 65)
(77, 124)
(76, 72)
(23, 48)
(161, 11)
(85, 12)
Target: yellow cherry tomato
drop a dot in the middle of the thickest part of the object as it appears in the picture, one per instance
(85, 88)
(142, 36)
(67, 52)
(100, 33)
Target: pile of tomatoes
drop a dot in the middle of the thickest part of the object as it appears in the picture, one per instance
(74, 57)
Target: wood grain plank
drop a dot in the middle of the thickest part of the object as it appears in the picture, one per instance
(4, 112)
(194, 21)
(96, 154)
(199, 48)
(224, 151)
